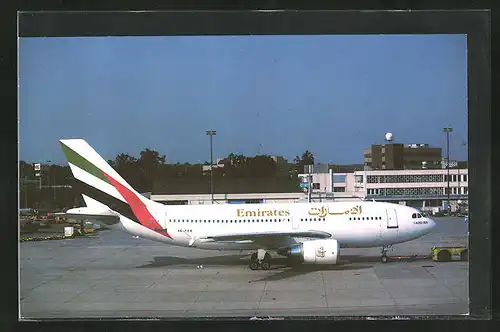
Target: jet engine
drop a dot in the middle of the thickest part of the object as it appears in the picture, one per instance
(313, 252)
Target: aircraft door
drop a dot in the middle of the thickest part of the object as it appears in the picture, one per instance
(392, 218)
(295, 222)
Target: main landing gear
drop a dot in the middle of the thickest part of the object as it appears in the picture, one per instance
(260, 259)
(384, 258)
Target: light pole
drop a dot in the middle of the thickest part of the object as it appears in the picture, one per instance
(37, 168)
(51, 175)
(448, 130)
(211, 133)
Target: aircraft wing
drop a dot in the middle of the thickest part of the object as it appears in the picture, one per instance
(268, 236)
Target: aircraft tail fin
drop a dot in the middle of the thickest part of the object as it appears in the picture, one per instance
(101, 186)
(89, 168)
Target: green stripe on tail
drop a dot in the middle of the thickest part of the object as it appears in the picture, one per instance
(77, 160)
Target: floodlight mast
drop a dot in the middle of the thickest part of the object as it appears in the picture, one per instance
(211, 133)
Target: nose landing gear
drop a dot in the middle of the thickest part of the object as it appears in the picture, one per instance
(384, 258)
(260, 259)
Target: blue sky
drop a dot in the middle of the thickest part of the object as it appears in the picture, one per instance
(279, 95)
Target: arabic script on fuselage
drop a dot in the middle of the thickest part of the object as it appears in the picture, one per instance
(325, 210)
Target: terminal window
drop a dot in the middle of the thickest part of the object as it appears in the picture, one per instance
(408, 178)
(410, 191)
(339, 178)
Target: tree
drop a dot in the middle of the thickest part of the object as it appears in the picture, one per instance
(149, 164)
(261, 166)
(307, 159)
(122, 161)
(238, 165)
(237, 160)
(127, 166)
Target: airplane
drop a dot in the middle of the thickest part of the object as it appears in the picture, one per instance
(305, 232)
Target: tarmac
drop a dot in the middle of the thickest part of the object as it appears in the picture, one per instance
(114, 275)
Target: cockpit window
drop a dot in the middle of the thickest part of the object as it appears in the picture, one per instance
(414, 215)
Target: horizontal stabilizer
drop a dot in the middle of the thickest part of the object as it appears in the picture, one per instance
(106, 217)
(267, 235)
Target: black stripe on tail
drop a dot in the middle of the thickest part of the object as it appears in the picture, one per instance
(113, 203)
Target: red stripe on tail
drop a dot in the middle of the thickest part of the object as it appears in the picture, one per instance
(139, 208)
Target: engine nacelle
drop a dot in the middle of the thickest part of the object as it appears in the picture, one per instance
(314, 252)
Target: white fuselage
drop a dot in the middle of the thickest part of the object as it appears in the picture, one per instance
(352, 224)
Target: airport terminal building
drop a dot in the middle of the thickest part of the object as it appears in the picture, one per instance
(407, 174)
(422, 188)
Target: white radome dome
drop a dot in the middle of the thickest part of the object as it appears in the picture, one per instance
(388, 136)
